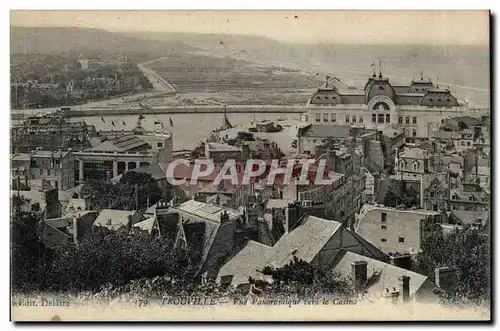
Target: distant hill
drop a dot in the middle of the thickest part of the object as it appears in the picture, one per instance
(69, 39)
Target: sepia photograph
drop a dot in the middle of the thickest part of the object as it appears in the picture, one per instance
(276, 166)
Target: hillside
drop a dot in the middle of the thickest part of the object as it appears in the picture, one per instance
(68, 39)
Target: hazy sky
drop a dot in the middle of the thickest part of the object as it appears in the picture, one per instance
(435, 27)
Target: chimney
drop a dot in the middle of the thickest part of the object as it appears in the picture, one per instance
(224, 217)
(404, 287)
(359, 272)
(445, 277)
(402, 261)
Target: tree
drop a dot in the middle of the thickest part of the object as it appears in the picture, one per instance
(468, 250)
(301, 279)
(123, 194)
(398, 195)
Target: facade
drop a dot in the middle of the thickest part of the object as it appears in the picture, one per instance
(412, 164)
(418, 108)
(54, 168)
(394, 230)
(122, 153)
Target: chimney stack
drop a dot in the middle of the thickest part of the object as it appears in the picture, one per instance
(445, 277)
(359, 271)
(404, 288)
(402, 261)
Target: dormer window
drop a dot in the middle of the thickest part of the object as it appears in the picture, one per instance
(454, 196)
(381, 88)
(471, 198)
(448, 100)
(318, 97)
(326, 97)
(439, 100)
(334, 98)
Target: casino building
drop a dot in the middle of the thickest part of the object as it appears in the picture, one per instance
(418, 108)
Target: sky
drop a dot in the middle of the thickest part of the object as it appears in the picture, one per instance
(364, 27)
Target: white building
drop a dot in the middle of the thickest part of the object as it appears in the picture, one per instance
(417, 108)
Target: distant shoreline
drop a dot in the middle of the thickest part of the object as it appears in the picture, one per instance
(179, 110)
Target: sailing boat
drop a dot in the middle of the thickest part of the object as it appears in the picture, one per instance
(226, 124)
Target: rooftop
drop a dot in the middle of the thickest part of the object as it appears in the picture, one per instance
(414, 153)
(222, 147)
(326, 131)
(113, 218)
(206, 211)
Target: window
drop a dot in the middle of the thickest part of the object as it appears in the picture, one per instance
(58, 162)
(400, 120)
(159, 145)
(387, 118)
(347, 118)
(462, 143)
(380, 118)
(354, 119)
(326, 97)
(318, 97)
(48, 172)
(415, 166)
(383, 240)
(414, 132)
(407, 120)
(448, 100)
(455, 197)
(383, 227)
(414, 120)
(314, 141)
(431, 99)
(435, 207)
(383, 217)
(333, 118)
(361, 119)
(468, 143)
(325, 117)
(374, 118)
(471, 198)
(401, 239)
(317, 117)
(439, 100)
(432, 194)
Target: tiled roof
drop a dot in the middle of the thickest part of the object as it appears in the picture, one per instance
(413, 153)
(447, 135)
(468, 217)
(146, 225)
(204, 211)
(327, 131)
(298, 242)
(120, 144)
(247, 263)
(118, 218)
(387, 278)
